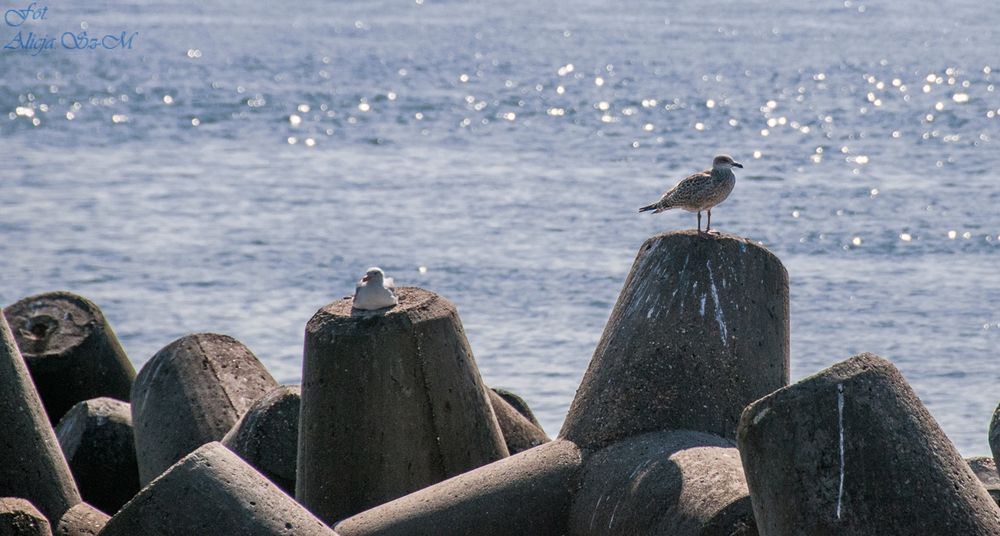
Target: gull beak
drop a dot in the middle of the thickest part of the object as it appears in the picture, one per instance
(364, 279)
(737, 164)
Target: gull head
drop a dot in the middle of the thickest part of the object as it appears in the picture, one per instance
(374, 275)
(724, 161)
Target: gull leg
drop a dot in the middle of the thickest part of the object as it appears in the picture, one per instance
(708, 226)
(699, 222)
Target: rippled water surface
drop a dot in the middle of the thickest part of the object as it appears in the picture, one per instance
(243, 164)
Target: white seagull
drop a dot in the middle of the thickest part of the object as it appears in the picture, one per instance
(374, 291)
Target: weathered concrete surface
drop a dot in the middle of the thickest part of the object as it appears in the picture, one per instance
(518, 403)
(212, 491)
(70, 349)
(31, 464)
(267, 436)
(676, 483)
(519, 433)
(985, 470)
(18, 517)
(528, 493)
(190, 393)
(995, 435)
(392, 401)
(96, 439)
(81, 520)
(851, 450)
(699, 331)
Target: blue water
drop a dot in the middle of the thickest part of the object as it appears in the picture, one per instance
(241, 165)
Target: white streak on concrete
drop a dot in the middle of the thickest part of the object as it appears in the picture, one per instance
(840, 425)
(759, 416)
(702, 310)
(596, 508)
(723, 332)
(613, 512)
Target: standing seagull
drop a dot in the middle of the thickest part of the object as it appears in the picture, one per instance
(700, 191)
(374, 291)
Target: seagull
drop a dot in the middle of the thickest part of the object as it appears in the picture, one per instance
(374, 291)
(700, 191)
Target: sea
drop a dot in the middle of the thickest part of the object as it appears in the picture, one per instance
(234, 166)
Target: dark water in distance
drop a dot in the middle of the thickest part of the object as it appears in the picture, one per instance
(243, 164)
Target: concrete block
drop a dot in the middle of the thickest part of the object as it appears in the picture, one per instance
(392, 402)
(212, 491)
(518, 403)
(81, 520)
(528, 493)
(519, 433)
(676, 483)
(852, 450)
(31, 465)
(70, 349)
(699, 331)
(267, 436)
(18, 517)
(190, 393)
(96, 439)
(985, 470)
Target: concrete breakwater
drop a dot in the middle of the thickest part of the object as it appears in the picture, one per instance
(684, 424)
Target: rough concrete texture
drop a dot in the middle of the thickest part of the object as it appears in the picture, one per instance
(676, 483)
(190, 393)
(392, 401)
(267, 436)
(995, 435)
(528, 493)
(81, 520)
(985, 470)
(699, 331)
(519, 433)
(96, 439)
(70, 349)
(852, 450)
(31, 464)
(18, 517)
(213, 491)
(517, 403)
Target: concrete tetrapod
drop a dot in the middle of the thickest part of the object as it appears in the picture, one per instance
(70, 349)
(852, 451)
(699, 331)
(676, 483)
(517, 402)
(97, 441)
(81, 520)
(31, 464)
(18, 517)
(995, 436)
(986, 471)
(213, 491)
(392, 401)
(267, 436)
(528, 493)
(190, 393)
(519, 433)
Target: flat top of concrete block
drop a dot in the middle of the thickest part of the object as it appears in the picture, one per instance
(17, 504)
(412, 301)
(51, 323)
(691, 235)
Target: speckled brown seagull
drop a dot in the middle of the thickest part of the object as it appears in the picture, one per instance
(700, 191)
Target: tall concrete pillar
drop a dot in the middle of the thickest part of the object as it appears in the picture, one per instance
(212, 491)
(31, 465)
(676, 483)
(392, 401)
(190, 393)
(851, 450)
(70, 349)
(699, 331)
